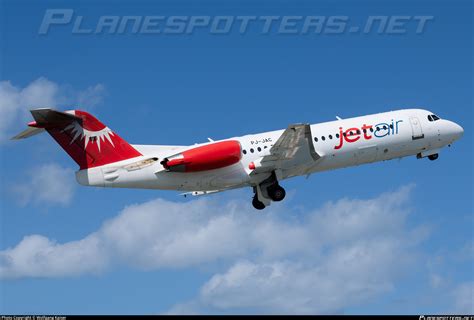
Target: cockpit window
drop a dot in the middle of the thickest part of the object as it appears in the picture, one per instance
(430, 118)
(433, 117)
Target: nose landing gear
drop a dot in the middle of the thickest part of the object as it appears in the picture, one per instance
(430, 154)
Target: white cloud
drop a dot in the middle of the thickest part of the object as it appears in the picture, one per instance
(46, 184)
(37, 256)
(161, 233)
(321, 261)
(436, 280)
(39, 93)
(92, 96)
(466, 252)
(292, 287)
(363, 247)
(16, 101)
(463, 296)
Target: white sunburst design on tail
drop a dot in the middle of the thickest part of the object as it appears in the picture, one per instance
(79, 131)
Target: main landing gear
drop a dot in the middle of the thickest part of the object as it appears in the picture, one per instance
(267, 191)
(257, 204)
(432, 155)
(276, 192)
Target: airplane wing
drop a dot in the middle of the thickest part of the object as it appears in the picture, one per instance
(293, 148)
(199, 193)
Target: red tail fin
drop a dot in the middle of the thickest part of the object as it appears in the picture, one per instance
(87, 140)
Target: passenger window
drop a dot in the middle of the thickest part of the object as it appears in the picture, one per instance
(377, 128)
(330, 136)
(315, 139)
(259, 149)
(385, 127)
(371, 129)
(251, 150)
(245, 151)
(337, 135)
(358, 131)
(344, 134)
(323, 138)
(364, 131)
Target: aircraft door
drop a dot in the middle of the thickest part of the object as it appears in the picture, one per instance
(366, 154)
(417, 132)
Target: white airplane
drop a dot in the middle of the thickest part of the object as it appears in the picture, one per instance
(259, 161)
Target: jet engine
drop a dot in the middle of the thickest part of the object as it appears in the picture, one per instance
(210, 156)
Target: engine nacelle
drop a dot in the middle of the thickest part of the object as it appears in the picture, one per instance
(210, 156)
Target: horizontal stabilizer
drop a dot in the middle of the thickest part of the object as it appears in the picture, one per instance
(46, 118)
(49, 117)
(29, 132)
(89, 142)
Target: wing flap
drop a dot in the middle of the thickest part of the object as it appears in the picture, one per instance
(293, 148)
(290, 143)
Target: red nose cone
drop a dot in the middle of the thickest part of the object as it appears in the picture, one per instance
(211, 156)
(252, 166)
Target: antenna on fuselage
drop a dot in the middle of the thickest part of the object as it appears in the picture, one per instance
(338, 118)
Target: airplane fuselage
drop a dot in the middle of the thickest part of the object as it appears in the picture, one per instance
(340, 143)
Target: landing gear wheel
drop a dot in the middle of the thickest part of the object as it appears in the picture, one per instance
(276, 193)
(257, 204)
(433, 157)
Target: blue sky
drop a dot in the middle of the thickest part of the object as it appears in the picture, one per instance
(391, 237)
